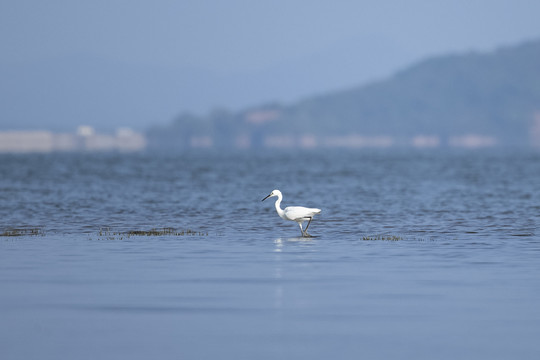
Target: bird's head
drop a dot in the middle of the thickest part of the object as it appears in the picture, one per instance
(273, 193)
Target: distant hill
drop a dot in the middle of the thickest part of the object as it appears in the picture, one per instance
(470, 99)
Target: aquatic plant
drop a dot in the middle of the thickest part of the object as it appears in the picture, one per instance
(108, 234)
(382, 238)
(22, 232)
(165, 231)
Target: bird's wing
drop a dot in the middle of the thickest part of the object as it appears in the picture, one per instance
(300, 212)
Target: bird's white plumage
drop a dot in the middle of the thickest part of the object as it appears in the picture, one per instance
(299, 214)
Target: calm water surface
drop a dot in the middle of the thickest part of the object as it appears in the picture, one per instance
(462, 280)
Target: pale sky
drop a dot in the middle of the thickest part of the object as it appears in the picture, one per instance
(160, 58)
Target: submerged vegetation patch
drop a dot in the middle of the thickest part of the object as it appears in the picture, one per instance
(22, 232)
(164, 231)
(108, 234)
(382, 238)
(396, 238)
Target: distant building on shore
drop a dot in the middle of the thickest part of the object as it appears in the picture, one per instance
(85, 139)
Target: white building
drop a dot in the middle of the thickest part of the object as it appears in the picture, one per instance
(85, 139)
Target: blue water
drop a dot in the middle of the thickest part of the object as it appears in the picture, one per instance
(459, 279)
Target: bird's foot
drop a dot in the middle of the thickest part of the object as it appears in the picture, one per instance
(305, 234)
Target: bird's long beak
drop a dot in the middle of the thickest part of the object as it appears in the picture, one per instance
(266, 197)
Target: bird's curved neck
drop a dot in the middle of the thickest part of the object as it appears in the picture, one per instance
(278, 206)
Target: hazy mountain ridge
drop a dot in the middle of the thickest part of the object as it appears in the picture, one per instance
(495, 94)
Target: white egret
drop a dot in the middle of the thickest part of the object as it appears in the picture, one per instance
(294, 213)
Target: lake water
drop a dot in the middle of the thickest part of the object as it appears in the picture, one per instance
(416, 255)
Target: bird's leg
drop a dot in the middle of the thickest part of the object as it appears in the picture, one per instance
(305, 233)
(309, 222)
(301, 230)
